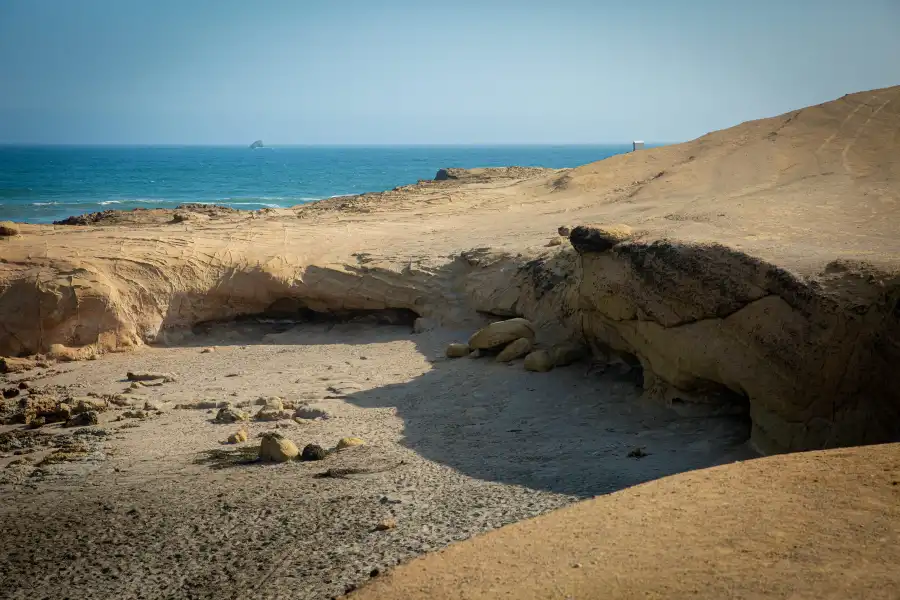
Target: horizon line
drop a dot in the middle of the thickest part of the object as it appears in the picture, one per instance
(330, 145)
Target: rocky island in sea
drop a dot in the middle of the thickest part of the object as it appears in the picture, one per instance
(256, 144)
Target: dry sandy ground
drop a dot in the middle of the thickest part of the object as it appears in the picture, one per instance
(164, 510)
(818, 525)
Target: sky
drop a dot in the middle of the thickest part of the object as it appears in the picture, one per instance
(423, 72)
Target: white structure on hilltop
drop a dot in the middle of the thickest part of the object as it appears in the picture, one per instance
(638, 145)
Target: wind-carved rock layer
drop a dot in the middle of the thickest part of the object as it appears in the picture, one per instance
(814, 359)
(729, 268)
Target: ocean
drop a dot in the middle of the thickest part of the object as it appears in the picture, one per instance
(41, 184)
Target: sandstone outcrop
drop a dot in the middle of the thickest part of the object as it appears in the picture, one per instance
(763, 271)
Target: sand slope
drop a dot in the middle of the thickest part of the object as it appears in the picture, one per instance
(815, 525)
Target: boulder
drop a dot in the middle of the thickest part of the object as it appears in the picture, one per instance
(83, 419)
(568, 353)
(238, 437)
(313, 452)
(539, 360)
(349, 442)
(274, 447)
(501, 333)
(11, 392)
(457, 350)
(598, 238)
(231, 415)
(516, 349)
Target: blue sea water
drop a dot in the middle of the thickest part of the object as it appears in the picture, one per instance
(43, 184)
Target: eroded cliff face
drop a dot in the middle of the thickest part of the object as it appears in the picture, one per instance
(813, 357)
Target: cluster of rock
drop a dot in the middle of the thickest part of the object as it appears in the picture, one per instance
(275, 447)
(513, 339)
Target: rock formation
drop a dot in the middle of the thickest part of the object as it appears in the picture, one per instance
(758, 267)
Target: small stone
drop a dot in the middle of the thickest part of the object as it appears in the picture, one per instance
(516, 349)
(390, 500)
(555, 242)
(501, 333)
(83, 419)
(152, 406)
(349, 442)
(539, 361)
(309, 413)
(207, 350)
(37, 422)
(457, 350)
(150, 376)
(267, 413)
(637, 452)
(134, 414)
(238, 437)
(564, 231)
(275, 447)
(386, 525)
(313, 452)
(273, 402)
(11, 392)
(230, 415)
(24, 385)
(476, 354)
(568, 353)
(82, 404)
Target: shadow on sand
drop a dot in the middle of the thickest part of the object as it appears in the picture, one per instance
(579, 430)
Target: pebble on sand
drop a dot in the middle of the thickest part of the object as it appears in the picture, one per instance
(231, 415)
(539, 360)
(386, 525)
(349, 442)
(274, 447)
(238, 437)
(457, 350)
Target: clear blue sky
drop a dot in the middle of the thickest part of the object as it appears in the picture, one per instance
(417, 71)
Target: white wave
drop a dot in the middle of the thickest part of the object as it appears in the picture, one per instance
(44, 203)
(105, 202)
